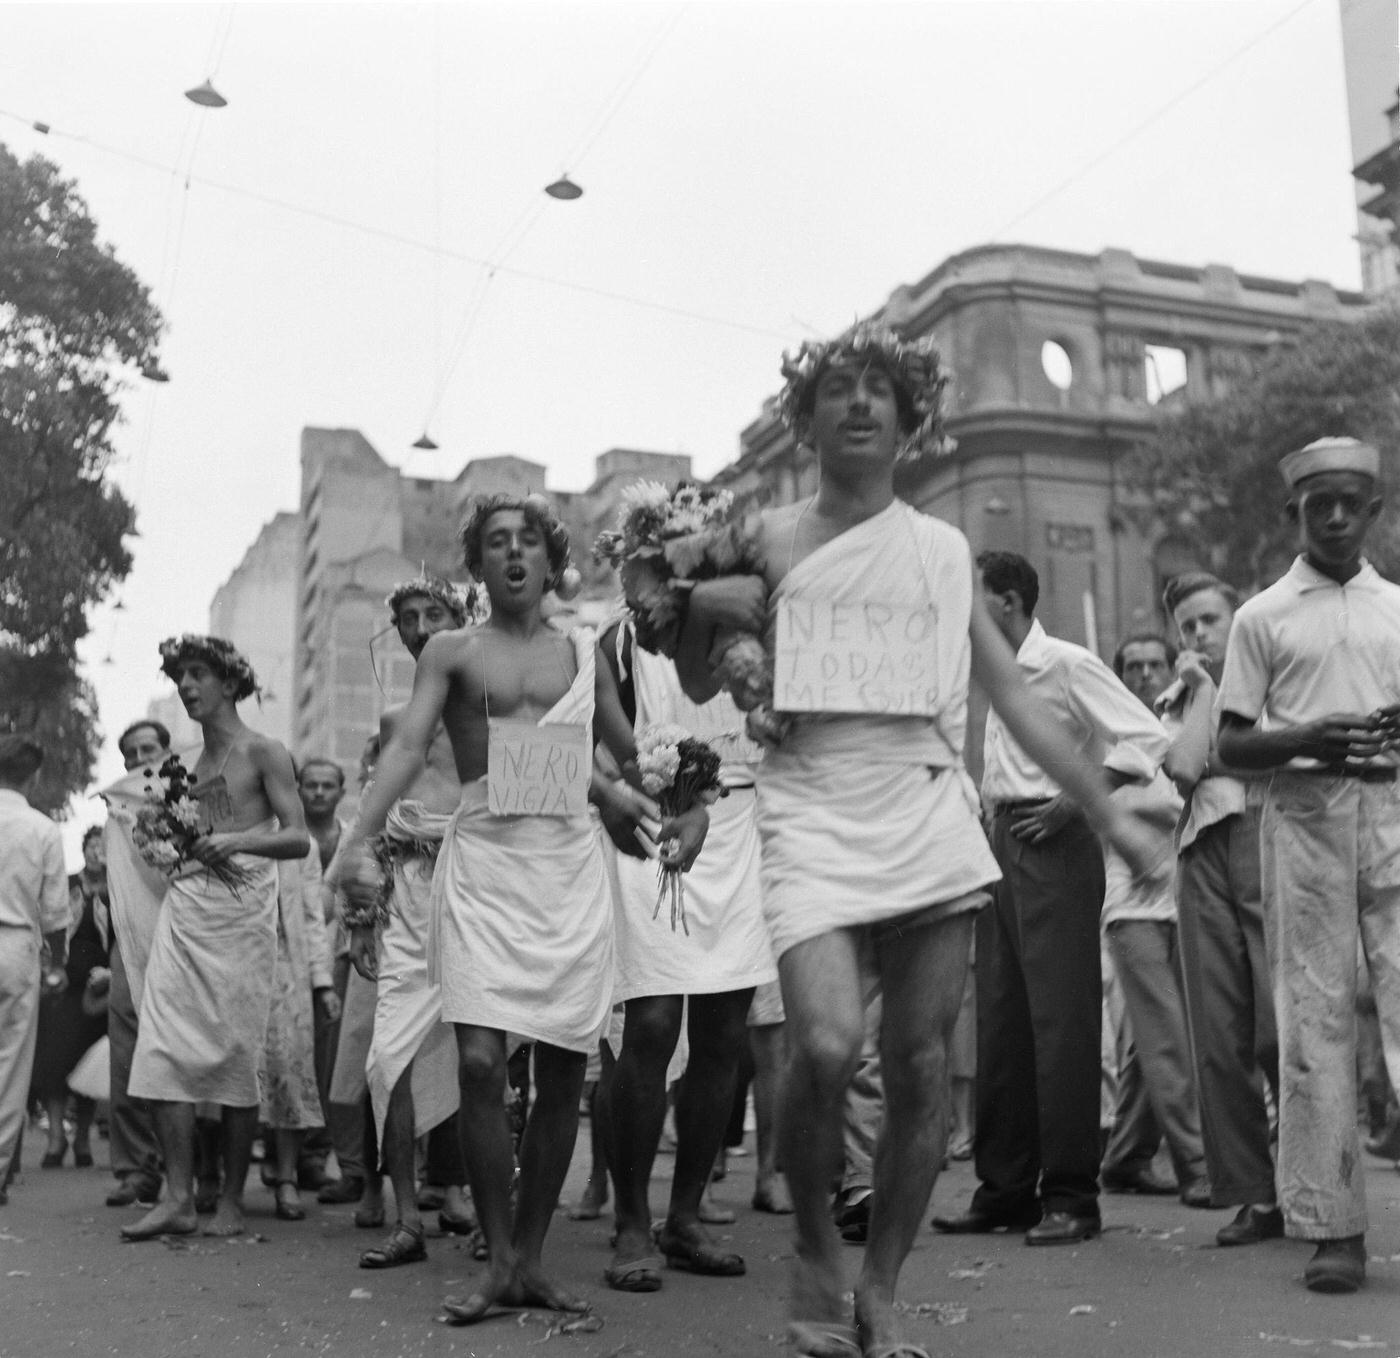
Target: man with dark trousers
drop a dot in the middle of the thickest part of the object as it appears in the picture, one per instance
(136, 892)
(1038, 983)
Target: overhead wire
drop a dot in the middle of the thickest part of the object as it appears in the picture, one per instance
(534, 209)
(403, 238)
(612, 105)
(172, 248)
(491, 264)
(1151, 120)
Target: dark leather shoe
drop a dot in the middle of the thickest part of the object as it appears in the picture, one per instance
(1063, 1228)
(348, 1188)
(853, 1219)
(1142, 1181)
(1338, 1265)
(984, 1223)
(1251, 1225)
(1385, 1145)
(1197, 1193)
(136, 1190)
(312, 1176)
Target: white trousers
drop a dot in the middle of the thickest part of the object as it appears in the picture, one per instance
(1330, 861)
(19, 1029)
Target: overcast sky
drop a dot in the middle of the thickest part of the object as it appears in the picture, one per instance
(753, 173)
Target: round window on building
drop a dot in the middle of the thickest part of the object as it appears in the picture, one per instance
(1056, 364)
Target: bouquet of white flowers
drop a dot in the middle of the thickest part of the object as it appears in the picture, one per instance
(680, 772)
(167, 826)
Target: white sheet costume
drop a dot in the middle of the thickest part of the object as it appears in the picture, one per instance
(290, 1097)
(868, 817)
(522, 910)
(136, 888)
(408, 1026)
(208, 988)
(727, 947)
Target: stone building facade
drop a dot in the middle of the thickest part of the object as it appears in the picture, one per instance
(1370, 40)
(251, 609)
(306, 604)
(1059, 361)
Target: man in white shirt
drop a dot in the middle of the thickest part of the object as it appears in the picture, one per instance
(1311, 690)
(1228, 987)
(1038, 972)
(33, 914)
(1157, 1085)
(136, 895)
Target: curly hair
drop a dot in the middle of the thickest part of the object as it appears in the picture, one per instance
(453, 598)
(912, 366)
(538, 512)
(222, 657)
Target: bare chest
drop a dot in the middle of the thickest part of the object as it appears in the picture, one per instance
(230, 791)
(509, 677)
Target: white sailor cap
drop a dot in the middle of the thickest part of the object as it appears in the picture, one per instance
(1330, 455)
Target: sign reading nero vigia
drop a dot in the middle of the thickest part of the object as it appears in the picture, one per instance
(855, 657)
(537, 770)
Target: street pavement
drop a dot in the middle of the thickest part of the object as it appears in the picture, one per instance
(1153, 1286)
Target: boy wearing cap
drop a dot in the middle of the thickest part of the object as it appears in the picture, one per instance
(1316, 656)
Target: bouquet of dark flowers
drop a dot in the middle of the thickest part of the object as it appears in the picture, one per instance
(665, 542)
(368, 886)
(167, 826)
(680, 772)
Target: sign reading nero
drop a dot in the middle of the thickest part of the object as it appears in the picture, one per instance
(856, 657)
(215, 804)
(534, 770)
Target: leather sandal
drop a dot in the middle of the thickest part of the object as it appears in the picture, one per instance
(404, 1246)
(695, 1254)
(635, 1275)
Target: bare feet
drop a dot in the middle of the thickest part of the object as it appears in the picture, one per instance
(494, 1295)
(166, 1218)
(206, 1196)
(876, 1326)
(770, 1194)
(711, 1213)
(536, 1290)
(369, 1212)
(820, 1326)
(510, 1290)
(590, 1205)
(227, 1219)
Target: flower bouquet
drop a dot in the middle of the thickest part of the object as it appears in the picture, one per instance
(680, 772)
(667, 541)
(366, 884)
(168, 824)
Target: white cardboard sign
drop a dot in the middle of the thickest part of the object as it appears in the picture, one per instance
(534, 770)
(856, 657)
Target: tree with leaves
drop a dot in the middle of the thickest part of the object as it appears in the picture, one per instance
(1209, 477)
(75, 325)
